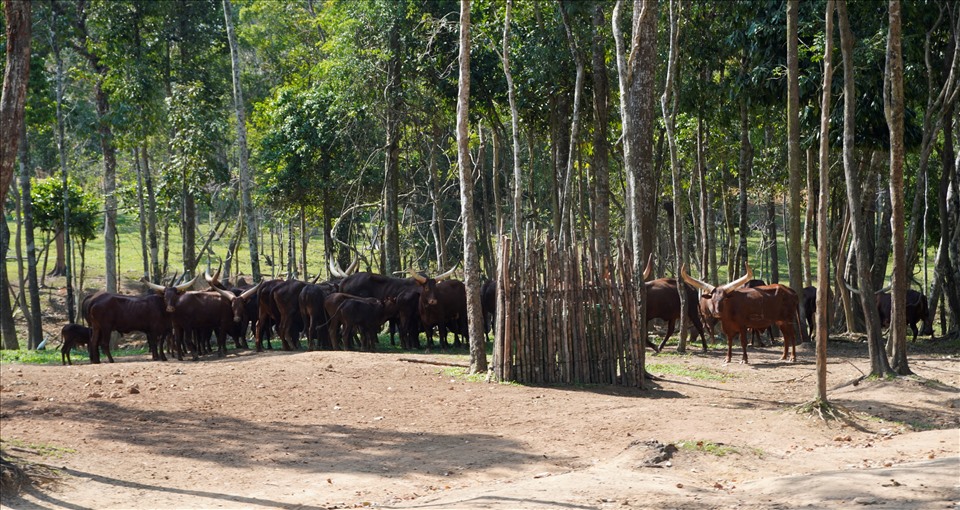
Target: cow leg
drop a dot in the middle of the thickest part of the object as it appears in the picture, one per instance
(730, 347)
(913, 326)
(221, 343)
(789, 341)
(106, 349)
(670, 327)
(93, 346)
(743, 346)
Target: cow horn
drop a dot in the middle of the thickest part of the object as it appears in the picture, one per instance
(740, 282)
(649, 269)
(186, 286)
(847, 285)
(335, 270)
(448, 274)
(885, 289)
(353, 267)
(421, 280)
(315, 278)
(151, 285)
(174, 279)
(225, 293)
(693, 282)
(251, 291)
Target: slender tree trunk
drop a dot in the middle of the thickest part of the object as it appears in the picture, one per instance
(879, 365)
(393, 97)
(772, 239)
(566, 195)
(68, 266)
(893, 107)
(7, 328)
(823, 266)
(668, 105)
(515, 132)
(809, 222)
(944, 271)
(601, 145)
(246, 175)
(746, 162)
(143, 214)
(34, 324)
(16, 75)
(794, 245)
(152, 235)
(304, 239)
(471, 263)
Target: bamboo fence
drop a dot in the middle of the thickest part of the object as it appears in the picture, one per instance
(566, 316)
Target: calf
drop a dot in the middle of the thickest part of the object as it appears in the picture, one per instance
(72, 336)
(365, 315)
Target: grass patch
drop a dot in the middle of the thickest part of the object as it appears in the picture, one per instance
(699, 373)
(43, 450)
(716, 449)
(463, 374)
(52, 356)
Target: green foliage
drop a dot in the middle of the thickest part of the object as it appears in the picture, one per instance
(85, 207)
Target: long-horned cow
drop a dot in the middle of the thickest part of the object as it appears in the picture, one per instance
(739, 308)
(194, 314)
(443, 303)
(663, 302)
(916, 309)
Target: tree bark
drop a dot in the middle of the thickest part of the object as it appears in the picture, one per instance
(145, 254)
(471, 262)
(34, 324)
(893, 107)
(566, 195)
(746, 162)
(8, 329)
(515, 131)
(68, 266)
(823, 256)
(601, 145)
(393, 96)
(16, 75)
(879, 364)
(794, 246)
(246, 175)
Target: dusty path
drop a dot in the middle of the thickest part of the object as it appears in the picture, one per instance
(338, 430)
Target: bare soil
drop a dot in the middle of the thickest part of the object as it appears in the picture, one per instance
(314, 430)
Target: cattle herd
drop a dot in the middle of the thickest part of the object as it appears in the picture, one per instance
(330, 314)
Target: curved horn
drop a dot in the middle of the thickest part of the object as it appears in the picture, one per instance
(448, 274)
(174, 279)
(845, 284)
(885, 289)
(693, 282)
(151, 285)
(353, 267)
(335, 270)
(740, 282)
(421, 280)
(184, 287)
(251, 291)
(649, 269)
(315, 278)
(225, 293)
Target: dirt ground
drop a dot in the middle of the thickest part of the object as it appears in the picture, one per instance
(313, 430)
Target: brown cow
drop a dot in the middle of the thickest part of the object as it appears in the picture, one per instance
(740, 308)
(663, 302)
(353, 313)
(443, 303)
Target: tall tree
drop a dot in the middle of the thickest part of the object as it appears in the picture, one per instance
(636, 73)
(566, 194)
(62, 160)
(471, 260)
(34, 325)
(391, 172)
(16, 75)
(514, 129)
(893, 107)
(601, 145)
(794, 248)
(668, 105)
(879, 364)
(246, 179)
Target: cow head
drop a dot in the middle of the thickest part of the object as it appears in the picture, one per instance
(336, 272)
(171, 295)
(714, 295)
(238, 301)
(428, 286)
(390, 307)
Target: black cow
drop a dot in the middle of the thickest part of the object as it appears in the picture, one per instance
(488, 303)
(314, 315)
(363, 315)
(443, 303)
(364, 284)
(73, 336)
(917, 310)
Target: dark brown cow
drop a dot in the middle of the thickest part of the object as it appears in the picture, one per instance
(916, 310)
(488, 303)
(740, 308)
(243, 306)
(363, 315)
(364, 284)
(268, 316)
(663, 302)
(314, 315)
(73, 336)
(757, 337)
(810, 308)
(443, 303)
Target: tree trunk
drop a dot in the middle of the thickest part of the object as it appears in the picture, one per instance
(566, 195)
(601, 145)
(391, 187)
(746, 162)
(188, 225)
(7, 329)
(823, 266)
(143, 214)
(471, 262)
(34, 324)
(794, 245)
(16, 75)
(893, 107)
(809, 222)
(152, 235)
(246, 177)
(68, 266)
(668, 105)
(772, 239)
(879, 365)
(515, 132)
